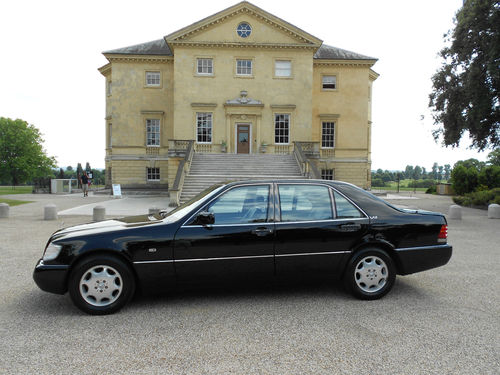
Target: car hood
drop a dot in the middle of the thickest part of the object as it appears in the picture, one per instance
(107, 226)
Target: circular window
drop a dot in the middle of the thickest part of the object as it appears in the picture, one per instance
(244, 30)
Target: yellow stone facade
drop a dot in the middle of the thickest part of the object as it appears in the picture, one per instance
(166, 84)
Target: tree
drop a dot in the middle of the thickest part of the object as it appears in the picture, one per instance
(465, 94)
(447, 171)
(440, 173)
(494, 157)
(417, 172)
(22, 156)
(463, 179)
(490, 176)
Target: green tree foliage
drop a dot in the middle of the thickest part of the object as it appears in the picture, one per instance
(22, 156)
(465, 95)
(464, 180)
(490, 177)
(494, 157)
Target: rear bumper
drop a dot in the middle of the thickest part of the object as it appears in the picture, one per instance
(51, 278)
(416, 259)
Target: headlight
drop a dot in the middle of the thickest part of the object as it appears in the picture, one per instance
(52, 251)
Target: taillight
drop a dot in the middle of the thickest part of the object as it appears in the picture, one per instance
(443, 234)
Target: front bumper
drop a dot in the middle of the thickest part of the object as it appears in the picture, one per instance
(416, 259)
(51, 278)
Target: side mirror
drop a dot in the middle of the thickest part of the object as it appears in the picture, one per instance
(204, 218)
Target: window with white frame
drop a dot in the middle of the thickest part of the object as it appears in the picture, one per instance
(329, 82)
(328, 134)
(282, 128)
(283, 68)
(153, 174)
(152, 132)
(205, 66)
(153, 79)
(327, 174)
(204, 127)
(244, 67)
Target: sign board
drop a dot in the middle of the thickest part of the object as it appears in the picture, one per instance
(117, 190)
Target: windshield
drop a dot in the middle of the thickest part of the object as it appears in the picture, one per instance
(184, 208)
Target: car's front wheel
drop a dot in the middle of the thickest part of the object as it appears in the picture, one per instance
(101, 284)
(370, 274)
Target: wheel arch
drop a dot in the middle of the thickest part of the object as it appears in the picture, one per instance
(382, 245)
(113, 253)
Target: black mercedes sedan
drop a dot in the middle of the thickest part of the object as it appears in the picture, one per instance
(249, 230)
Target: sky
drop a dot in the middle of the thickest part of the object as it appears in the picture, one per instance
(50, 51)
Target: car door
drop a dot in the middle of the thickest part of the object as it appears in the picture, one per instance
(316, 228)
(239, 243)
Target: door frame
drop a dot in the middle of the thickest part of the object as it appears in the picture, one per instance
(236, 136)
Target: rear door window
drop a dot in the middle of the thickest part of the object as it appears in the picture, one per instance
(304, 202)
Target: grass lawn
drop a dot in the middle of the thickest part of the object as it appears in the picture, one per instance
(7, 190)
(13, 202)
(4, 190)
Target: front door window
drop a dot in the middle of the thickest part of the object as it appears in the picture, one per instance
(243, 139)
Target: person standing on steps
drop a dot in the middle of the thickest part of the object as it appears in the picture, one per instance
(85, 184)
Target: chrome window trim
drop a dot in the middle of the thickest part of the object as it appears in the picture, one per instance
(430, 247)
(269, 184)
(272, 223)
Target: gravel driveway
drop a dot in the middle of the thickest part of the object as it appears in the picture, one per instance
(443, 321)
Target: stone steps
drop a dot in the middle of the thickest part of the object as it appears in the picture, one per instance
(209, 169)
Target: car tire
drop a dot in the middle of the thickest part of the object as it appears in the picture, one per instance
(370, 274)
(101, 284)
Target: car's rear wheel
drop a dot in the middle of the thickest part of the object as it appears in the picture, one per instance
(370, 274)
(101, 284)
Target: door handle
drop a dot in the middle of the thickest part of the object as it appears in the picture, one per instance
(350, 227)
(262, 231)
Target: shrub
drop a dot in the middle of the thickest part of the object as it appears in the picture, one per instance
(431, 190)
(422, 184)
(378, 182)
(479, 198)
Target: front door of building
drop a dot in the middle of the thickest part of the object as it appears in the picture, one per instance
(243, 138)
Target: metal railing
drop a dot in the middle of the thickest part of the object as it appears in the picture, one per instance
(182, 170)
(307, 168)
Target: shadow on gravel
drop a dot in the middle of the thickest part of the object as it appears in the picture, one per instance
(244, 293)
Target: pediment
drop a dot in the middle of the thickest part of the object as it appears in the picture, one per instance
(221, 28)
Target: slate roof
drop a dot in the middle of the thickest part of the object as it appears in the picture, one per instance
(160, 48)
(326, 52)
(156, 47)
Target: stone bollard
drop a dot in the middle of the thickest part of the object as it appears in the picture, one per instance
(4, 210)
(99, 213)
(154, 210)
(494, 211)
(50, 212)
(455, 212)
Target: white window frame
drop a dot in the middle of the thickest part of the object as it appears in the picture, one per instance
(153, 132)
(153, 174)
(282, 125)
(324, 80)
(153, 78)
(328, 138)
(204, 120)
(280, 70)
(240, 68)
(203, 69)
